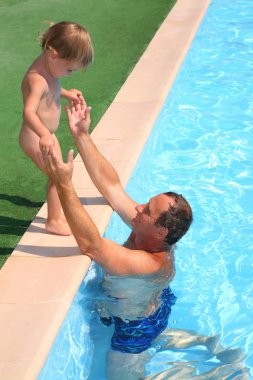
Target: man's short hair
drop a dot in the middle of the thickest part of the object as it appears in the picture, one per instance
(177, 219)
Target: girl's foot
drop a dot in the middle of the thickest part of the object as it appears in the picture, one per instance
(58, 227)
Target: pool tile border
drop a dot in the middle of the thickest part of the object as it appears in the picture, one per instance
(40, 279)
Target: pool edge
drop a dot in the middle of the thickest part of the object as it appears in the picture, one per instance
(39, 280)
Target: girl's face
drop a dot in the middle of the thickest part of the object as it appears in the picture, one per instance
(60, 67)
(64, 68)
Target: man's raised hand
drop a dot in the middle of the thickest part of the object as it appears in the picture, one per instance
(78, 117)
(59, 172)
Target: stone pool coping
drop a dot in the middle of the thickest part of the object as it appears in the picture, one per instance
(40, 279)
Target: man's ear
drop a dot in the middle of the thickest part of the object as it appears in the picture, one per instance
(162, 232)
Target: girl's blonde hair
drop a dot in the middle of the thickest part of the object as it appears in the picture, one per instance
(71, 41)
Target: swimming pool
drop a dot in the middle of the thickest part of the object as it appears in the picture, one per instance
(201, 146)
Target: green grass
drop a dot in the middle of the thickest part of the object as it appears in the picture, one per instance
(120, 31)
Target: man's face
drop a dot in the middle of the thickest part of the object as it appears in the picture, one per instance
(148, 213)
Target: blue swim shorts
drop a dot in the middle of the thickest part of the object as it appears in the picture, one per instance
(137, 335)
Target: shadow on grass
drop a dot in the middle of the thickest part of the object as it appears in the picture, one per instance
(15, 228)
(12, 226)
(5, 251)
(19, 201)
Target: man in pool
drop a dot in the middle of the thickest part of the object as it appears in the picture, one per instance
(156, 227)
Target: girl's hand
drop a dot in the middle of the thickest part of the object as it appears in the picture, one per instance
(78, 117)
(47, 144)
(72, 95)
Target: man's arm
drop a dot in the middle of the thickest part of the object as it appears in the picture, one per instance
(114, 258)
(98, 167)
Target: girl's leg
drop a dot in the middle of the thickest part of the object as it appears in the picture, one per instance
(56, 222)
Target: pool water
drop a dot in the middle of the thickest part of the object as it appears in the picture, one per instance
(200, 146)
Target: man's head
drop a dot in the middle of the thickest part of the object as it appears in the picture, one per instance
(166, 217)
(177, 219)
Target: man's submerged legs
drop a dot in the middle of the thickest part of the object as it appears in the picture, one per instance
(124, 366)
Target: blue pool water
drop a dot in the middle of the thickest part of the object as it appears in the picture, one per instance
(201, 146)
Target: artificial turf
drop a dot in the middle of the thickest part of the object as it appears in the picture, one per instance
(120, 31)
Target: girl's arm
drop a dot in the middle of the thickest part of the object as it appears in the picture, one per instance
(33, 90)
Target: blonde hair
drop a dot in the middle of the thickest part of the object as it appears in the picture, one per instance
(71, 41)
